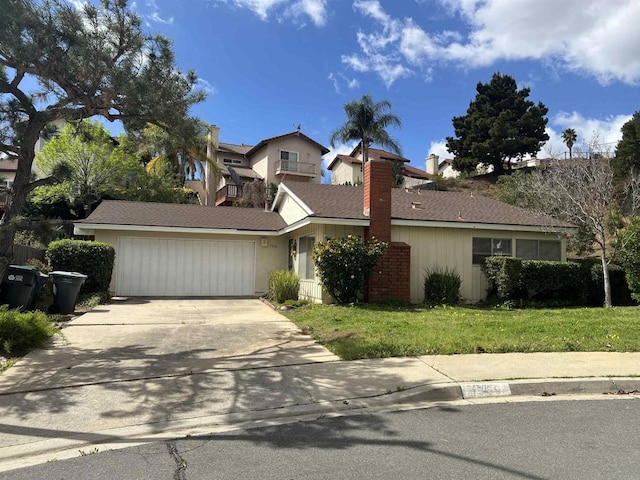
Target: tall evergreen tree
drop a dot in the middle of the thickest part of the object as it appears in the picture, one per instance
(627, 156)
(87, 61)
(500, 125)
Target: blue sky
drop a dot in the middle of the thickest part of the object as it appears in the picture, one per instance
(270, 65)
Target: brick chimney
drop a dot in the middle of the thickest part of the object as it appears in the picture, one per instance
(391, 279)
(377, 199)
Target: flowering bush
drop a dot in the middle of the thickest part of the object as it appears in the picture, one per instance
(344, 265)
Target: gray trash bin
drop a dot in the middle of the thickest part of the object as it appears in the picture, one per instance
(41, 279)
(66, 286)
(19, 284)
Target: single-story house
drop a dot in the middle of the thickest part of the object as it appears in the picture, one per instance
(193, 250)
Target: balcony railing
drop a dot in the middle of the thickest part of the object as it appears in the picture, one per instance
(297, 168)
(228, 193)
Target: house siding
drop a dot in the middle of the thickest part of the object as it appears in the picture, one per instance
(307, 153)
(452, 248)
(290, 210)
(269, 258)
(344, 173)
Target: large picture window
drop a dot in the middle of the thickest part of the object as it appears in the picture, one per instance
(490, 247)
(539, 250)
(306, 268)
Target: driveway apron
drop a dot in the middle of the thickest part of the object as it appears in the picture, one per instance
(146, 361)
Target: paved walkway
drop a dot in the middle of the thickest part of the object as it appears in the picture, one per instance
(134, 373)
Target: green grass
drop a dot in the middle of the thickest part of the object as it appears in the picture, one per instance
(378, 332)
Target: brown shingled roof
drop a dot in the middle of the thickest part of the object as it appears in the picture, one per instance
(115, 212)
(233, 148)
(409, 171)
(340, 201)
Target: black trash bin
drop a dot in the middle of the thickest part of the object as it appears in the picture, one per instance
(41, 279)
(66, 286)
(18, 288)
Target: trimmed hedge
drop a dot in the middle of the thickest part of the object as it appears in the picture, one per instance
(553, 283)
(93, 259)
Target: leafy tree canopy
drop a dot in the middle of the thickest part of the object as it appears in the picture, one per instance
(627, 156)
(86, 61)
(501, 124)
(88, 160)
(367, 122)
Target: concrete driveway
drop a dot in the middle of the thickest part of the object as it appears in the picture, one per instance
(148, 338)
(149, 362)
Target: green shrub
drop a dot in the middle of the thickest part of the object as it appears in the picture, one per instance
(592, 272)
(93, 259)
(283, 286)
(552, 281)
(22, 332)
(534, 281)
(441, 286)
(630, 256)
(344, 265)
(503, 274)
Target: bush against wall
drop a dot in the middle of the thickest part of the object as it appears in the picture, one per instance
(344, 265)
(534, 280)
(94, 259)
(283, 286)
(441, 286)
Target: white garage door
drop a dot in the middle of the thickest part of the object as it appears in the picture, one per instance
(184, 268)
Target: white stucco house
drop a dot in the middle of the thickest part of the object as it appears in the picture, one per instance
(193, 250)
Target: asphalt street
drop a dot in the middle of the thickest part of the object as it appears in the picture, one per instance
(530, 440)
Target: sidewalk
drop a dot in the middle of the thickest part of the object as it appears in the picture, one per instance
(40, 425)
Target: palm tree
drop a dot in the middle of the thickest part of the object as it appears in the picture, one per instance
(182, 151)
(367, 122)
(569, 136)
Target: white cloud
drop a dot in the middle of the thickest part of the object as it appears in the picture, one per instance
(338, 78)
(594, 38)
(439, 148)
(605, 132)
(315, 10)
(154, 15)
(377, 52)
(206, 86)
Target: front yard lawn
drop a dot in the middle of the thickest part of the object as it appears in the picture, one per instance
(367, 331)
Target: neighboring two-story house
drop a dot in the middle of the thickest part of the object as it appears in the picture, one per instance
(292, 156)
(348, 170)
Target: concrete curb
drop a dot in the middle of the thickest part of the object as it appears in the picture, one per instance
(19, 456)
